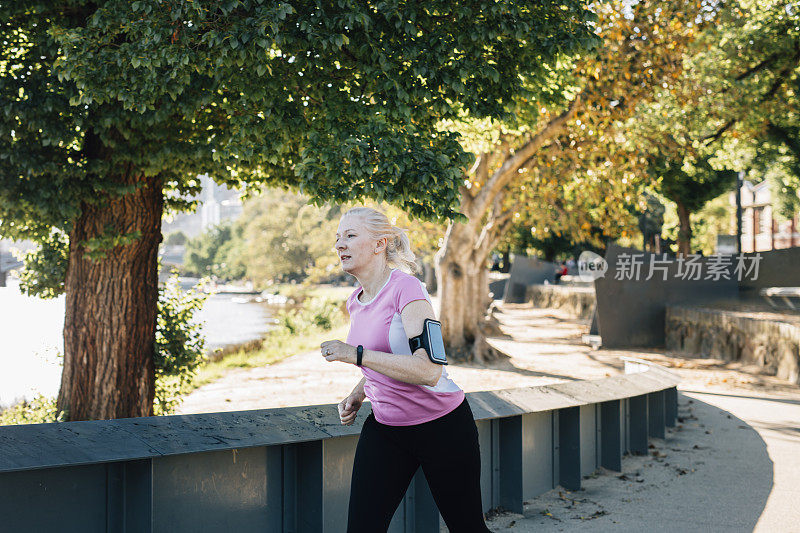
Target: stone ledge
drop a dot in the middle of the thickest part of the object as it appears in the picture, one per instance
(729, 335)
(577, 300)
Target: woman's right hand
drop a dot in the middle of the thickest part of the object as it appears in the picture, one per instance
(348, 408)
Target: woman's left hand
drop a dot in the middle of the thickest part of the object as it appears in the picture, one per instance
(338, 351)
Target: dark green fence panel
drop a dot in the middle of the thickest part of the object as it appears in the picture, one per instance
(288, 470)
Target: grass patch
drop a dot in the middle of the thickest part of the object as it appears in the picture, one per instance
(275, 347)
(298, 291)
(320, 316)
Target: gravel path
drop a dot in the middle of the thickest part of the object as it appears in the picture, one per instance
(543, 347)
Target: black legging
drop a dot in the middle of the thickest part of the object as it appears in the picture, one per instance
(388, 456)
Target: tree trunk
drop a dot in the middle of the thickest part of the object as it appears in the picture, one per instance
(450, 282)
(464, 291)
(478, 305)
(429, 273)
(506, 268)
(463, 286)
(685, 231)
(111, 307)
(473, 310)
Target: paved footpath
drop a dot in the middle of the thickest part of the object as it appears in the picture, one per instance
(731, 464)
(543, 348)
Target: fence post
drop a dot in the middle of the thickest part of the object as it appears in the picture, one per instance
(556, 447)
(289, 477)
(422, 514)
(569, 455)
(139, 495)
(638, 424)
(303, 486)
(610, 456)
(655, 414)
(511, 463)
(129, 496)
(671, 406)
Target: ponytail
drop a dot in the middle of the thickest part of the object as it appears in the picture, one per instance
(398, 246)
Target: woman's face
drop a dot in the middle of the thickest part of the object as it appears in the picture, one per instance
(355, 247)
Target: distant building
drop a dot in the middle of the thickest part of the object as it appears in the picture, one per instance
(217, 204)
(760, 229)
(9, 253)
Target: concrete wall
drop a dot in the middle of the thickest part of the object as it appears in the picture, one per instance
(578, 301)
(288, 469)
(526, 271)
(777, 268)
(631, 313)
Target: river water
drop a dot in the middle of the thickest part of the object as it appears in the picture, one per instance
(31, 337)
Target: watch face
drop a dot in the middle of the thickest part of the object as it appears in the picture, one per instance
(436, 342)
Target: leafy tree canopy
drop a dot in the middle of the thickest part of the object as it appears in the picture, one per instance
(584, 182)
(736, 101)
(338, 99)
(215, 252)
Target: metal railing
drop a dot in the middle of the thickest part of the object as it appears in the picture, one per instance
(288, 469)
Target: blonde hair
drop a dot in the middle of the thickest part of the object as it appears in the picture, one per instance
(398, 246)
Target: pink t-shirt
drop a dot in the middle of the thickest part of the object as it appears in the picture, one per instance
(377, 325)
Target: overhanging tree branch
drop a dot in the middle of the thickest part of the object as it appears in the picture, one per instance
(780, 78)
(503, 175)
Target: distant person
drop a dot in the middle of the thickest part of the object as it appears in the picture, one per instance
(495, 263)
(561, 270)
(571, 264)
(420, 417)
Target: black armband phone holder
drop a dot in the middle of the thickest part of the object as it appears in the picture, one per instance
(430, 339)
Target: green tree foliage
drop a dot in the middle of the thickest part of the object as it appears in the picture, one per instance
(716, 217)
(592, 175)
(561, 164)
(735, 102)
(45, 267)
(285, 238)
(521, 239)
(110, 108)
(282, 237)
(257, 92)
(749, 69)
(690, 183)
(215, 253)
(176, 238)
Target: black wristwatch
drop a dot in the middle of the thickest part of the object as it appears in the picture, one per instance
(359, 354)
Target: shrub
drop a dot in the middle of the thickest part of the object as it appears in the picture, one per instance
(39, 410)
(314, 313)
(179, 343)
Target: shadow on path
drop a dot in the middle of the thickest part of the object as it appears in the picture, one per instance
(711, 473)
(764, 398)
